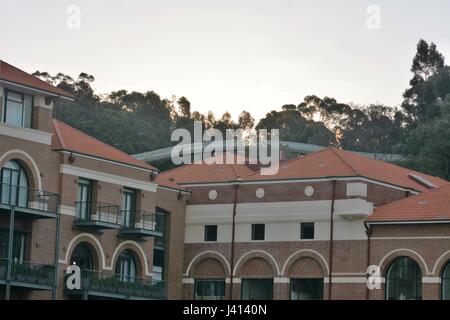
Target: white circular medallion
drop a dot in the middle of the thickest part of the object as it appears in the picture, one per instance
(212, 194)
(260, 193)
(309, 191)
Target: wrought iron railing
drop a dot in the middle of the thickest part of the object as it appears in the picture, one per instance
(143, 220)
(23, 197)
(97, 211)
(128, 287)
(28, 272)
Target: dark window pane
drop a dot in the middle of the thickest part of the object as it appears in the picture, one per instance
(211, 289)
(404, 280)
(258, 231)
(210, 233)
(307, 230)
(257, 289)
(307, 289)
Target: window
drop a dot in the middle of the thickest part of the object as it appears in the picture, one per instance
(258, 231)
(84, 199)
(307, 289)
(210, 233)
(210, 289)
(446, 282)
(19, 245)
(128, 207)
(126, 267)
(306, 230)
(158, 264)
(257, 289)
(404, 280)
(18, 109)
(14, 185)
(82, 257)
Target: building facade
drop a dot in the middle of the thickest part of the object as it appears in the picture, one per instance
(312, 230)
(67, 198)
(329, 225)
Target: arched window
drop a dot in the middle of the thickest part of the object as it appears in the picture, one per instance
(82, 257)
(126, 267)
(404, 280)
(14, 185)
(446, 282)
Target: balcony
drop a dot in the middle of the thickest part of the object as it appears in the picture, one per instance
(28, 274)
(139, 223)
(38, 204)
(96, 284)
(97, 215)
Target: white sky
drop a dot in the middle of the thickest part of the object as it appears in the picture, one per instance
(229, 55)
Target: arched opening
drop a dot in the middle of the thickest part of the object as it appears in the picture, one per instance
(446, 282)
(404, 280)
(82, 257)
(14, 184)
(306, 279)
(256, 285)
(126, 267)
(209, 275)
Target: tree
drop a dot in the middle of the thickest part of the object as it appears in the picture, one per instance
(246, 121)
(421, 99)
(185, 107)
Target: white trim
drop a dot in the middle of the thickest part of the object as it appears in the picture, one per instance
(106, 177)
(410, 222)
(205, 184)
(281, 280)
(188, 281)
(257, 251)
(407, 250)
(308, 251)
(411, 238)
(67, 211)
(347, 280)
(236, 280)
(139, 248)
(108, 161)
(174, 190)
(431, 280)
(207, 252)
(87, 235)
(23, 133)
(33, 163)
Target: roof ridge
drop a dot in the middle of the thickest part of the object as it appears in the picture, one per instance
(348, 165)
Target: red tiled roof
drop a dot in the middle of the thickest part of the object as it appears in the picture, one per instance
(70, 139)
(332, 162)
(161, 181)
(198, 173)
(329, 162)
(17, 76)
(430, 205)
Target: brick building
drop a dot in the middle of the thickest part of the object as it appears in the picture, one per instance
(68, 198)
(206, 231)
(312, 230)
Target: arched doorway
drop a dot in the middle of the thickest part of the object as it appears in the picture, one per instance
(14, 184)
(446, 282)
(126, 268)
(82, 257)
(404, 280)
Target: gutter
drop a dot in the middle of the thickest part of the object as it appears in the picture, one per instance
(369, 234)
(233, 232)
(330, 257)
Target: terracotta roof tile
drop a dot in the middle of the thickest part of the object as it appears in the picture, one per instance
(329, 162)
(70, 139)
(431, 205)
(17, 76)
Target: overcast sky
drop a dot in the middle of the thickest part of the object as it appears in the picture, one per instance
(229, 54)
